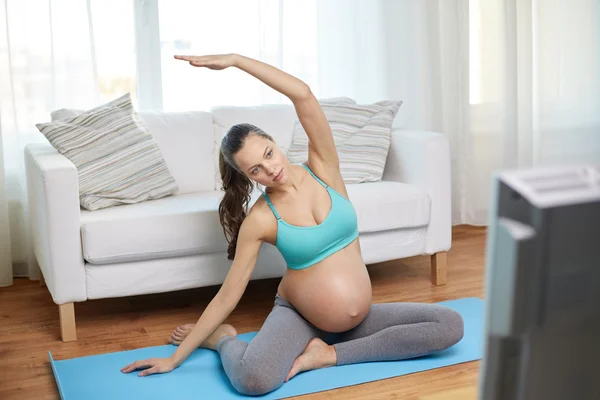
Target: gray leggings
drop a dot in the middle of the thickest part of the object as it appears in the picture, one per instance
(391, 331)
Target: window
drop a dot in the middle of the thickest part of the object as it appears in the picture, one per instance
(548, 49)
(486, 51)
(63, 55)
(280, 33)
(114, 48)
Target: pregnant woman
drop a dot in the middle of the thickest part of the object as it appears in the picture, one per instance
(322, 314)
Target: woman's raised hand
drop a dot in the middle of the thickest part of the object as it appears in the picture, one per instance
(214, 61)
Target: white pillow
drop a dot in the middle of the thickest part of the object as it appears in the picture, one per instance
(117, 159)
(362, 136)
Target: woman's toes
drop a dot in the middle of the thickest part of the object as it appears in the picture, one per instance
(180, 333)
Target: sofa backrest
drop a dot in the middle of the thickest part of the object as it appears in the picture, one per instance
(186, 141)
(190, 141)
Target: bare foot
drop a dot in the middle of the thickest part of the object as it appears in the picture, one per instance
(181, 332)
(317, 354)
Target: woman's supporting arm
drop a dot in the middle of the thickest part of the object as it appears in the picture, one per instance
(225, 301)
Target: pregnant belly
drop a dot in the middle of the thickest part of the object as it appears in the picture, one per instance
(335, 294)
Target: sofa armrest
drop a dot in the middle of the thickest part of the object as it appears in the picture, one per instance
(422, 159)
(54, 211)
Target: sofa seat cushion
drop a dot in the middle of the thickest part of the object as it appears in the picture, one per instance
(173, 226)
(389, 205)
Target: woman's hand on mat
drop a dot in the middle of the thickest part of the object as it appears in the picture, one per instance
(151, 366)
(215, 61)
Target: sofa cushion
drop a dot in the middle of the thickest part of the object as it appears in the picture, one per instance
(118, 161)
(173, 226)
(362, 138)
(186, 142)
(185, 139)
(388, 205)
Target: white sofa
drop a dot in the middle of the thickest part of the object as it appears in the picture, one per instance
(177, 242)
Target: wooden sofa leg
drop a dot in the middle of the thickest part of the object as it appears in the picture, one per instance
(438, 268)
(67, 322)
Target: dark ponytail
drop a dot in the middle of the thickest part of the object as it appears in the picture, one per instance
(236, 185)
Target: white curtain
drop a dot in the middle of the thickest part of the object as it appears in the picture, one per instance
(53, 54)
(79, 54)
(511, 83)
(278, 32)
(534, 95)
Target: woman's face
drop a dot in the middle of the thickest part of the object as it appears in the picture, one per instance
(263, 161)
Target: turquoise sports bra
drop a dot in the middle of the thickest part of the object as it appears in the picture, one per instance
(304, 246)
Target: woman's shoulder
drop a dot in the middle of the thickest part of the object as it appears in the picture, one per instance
(258, 210)
(260, 219)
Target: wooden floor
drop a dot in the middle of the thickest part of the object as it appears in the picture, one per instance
(29, 323)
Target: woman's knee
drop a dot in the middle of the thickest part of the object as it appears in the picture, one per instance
(452, 327)
(254, 380)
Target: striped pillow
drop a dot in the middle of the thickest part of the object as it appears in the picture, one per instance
(117, 159)
(362, 137)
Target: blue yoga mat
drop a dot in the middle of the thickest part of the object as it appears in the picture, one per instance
(201, 374)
